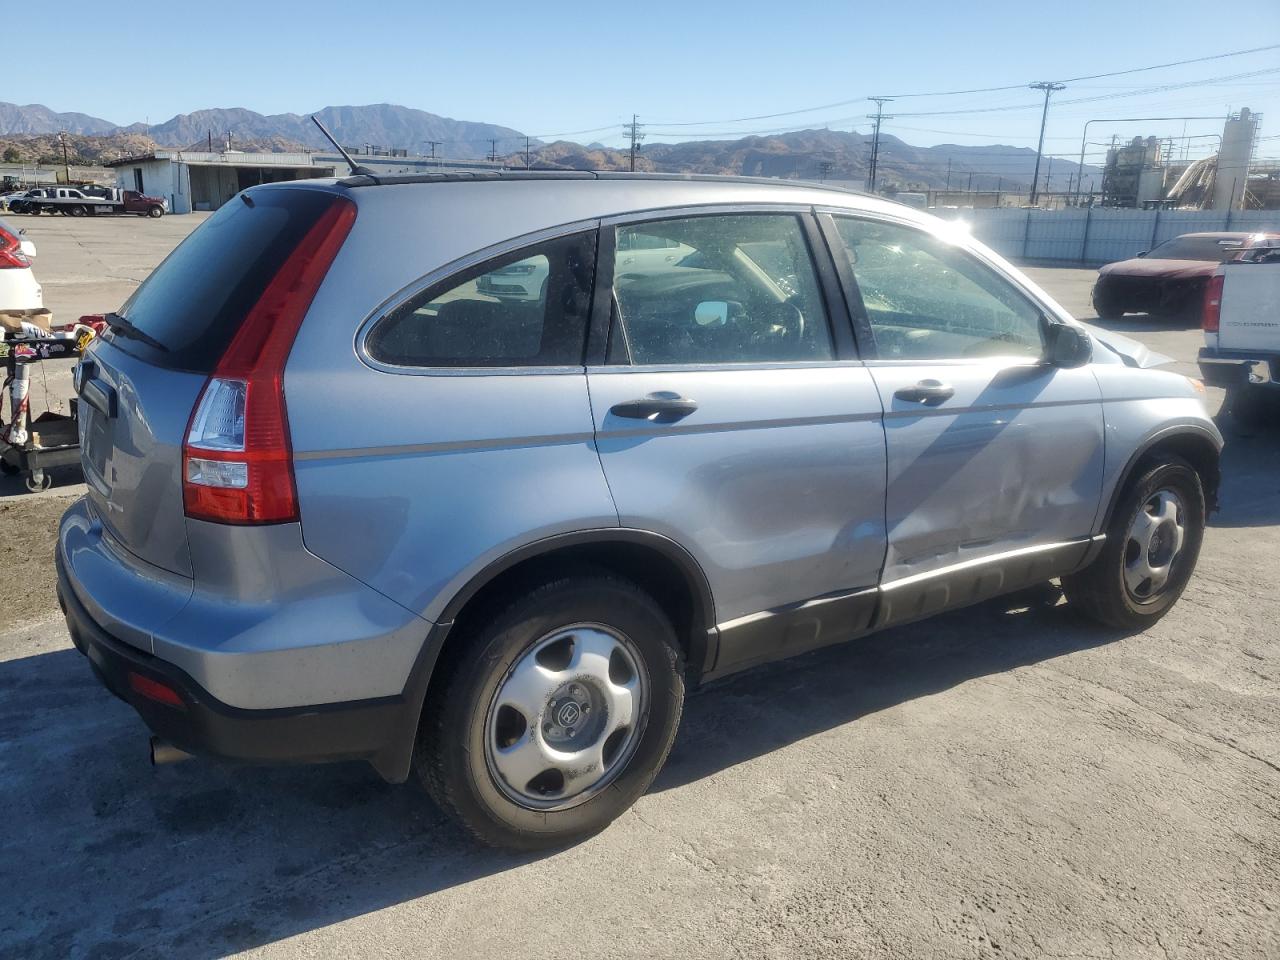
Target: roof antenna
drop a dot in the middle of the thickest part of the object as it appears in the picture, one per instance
(355, 167)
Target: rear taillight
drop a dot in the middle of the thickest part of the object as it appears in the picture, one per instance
(11, 254)
(1211, 312)
(237, 462)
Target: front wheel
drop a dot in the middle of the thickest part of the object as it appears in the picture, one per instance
(1105, 307)
(555, 715)
(155, 212)
(1151, 549)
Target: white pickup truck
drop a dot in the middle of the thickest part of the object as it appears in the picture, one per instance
(1241, 322)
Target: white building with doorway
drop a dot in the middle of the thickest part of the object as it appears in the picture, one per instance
(194, 180)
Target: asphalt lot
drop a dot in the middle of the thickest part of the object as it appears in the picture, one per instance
(1005, 781)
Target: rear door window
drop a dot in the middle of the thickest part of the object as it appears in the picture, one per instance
(191, 305)
(527, 308)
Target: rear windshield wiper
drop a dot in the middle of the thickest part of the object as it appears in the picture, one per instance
(126, 329)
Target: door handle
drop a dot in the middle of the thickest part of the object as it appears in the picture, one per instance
(661, 408)
(929, 392)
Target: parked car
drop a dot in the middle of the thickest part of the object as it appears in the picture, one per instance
(544, 520)
(1241, 323)
(1169, 279)
(19, 290)
(27, 200)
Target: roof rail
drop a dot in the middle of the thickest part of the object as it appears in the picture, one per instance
(483, 176)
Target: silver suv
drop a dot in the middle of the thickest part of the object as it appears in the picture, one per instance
(352, 497)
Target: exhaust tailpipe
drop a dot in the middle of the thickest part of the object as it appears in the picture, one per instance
(163, 752)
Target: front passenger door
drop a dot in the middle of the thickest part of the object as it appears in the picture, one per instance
(994, 456)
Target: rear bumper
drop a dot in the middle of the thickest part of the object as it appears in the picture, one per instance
(1237, 368)
(380, 731)
(255, 684)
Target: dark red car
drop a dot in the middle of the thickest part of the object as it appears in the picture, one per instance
(1169, 279)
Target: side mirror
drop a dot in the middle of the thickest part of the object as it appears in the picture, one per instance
(1067, 346)
(711, 313)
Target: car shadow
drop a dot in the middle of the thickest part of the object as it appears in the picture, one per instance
(204, 858)
(1250, 493)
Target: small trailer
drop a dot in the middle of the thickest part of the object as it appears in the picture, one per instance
(93, 202)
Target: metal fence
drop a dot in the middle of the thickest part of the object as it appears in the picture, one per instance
(1090, 237)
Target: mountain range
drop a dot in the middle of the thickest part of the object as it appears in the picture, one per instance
(809, 154)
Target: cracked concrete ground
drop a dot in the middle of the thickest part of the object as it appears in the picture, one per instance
(1005, 781)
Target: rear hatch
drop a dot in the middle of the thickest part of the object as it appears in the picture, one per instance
(140, 381)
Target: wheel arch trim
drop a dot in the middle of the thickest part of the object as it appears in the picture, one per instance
(1191, 431)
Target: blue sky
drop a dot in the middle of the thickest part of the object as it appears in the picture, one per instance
(552, 67)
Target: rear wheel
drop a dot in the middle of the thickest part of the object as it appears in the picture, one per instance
(1152, 545)
(556, 715)
(34, 210)
(76, 210)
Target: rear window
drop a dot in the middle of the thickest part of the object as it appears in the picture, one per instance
(193, 303)
(1197, 248)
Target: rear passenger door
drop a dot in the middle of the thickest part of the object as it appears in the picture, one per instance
(994, 455)
(733, 416)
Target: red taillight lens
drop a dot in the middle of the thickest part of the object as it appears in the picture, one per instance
(155, 690)
(11, 254)
(1211, 313)
(237, 459)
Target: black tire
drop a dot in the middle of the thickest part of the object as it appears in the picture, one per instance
(1099, 591)
(34, 210)
(155, 212)
(75, 210)
(9, 469)
(1105, 307)
(450, 755)
(1251, 406)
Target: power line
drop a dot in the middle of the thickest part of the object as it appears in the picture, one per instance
(956, 93)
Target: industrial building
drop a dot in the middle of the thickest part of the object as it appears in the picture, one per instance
(1145, 174)
(205, 180)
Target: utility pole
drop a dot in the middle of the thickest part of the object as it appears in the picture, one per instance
(875, 140)
(1048, 177)
(633, 131)
(1048, 88)
(433, 144)
(527, 165)
(970, 188)
(66, 163)
(493, 151)
(948, 173)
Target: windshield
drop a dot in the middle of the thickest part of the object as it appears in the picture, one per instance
(1219, 249)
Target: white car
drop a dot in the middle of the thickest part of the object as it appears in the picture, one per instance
(18, 287)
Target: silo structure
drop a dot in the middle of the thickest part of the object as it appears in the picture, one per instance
(1233, 160)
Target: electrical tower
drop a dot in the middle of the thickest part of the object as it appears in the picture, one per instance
(1049, 88)
(493, 151)
(875, 140)
(433, 144)
(633, 132)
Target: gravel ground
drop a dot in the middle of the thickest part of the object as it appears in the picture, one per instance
(1006, 781)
